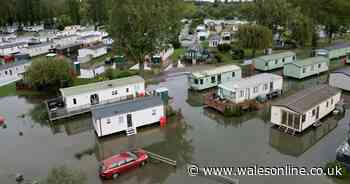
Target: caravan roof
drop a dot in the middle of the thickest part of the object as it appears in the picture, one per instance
(308, 98)
(250, 81)
(76, 90)
(215, 71)
(310, 61)
(276, 56)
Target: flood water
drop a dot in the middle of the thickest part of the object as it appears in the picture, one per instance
(202, 137)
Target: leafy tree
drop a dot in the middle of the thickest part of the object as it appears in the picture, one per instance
(49, 73)
(97, 11)
(143, 27)
(301, 30)
(254, 37)
(73, 10)
(64, 175)
(63, 21)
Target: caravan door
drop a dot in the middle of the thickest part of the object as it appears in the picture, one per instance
(129, 120)
(247, 94)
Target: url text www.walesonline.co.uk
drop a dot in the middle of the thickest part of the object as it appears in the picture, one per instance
(287, 170)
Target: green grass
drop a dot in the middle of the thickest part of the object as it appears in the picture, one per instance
(177, 54)
(8, 90)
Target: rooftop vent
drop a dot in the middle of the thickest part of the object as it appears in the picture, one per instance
(110, 85)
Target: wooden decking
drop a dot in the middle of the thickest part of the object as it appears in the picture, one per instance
(61, 112)
(212, 101)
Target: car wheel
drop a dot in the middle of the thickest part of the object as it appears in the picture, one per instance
(115, 176)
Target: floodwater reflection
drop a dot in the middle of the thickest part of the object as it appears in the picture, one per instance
(298, 144)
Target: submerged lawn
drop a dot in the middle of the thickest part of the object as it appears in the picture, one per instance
(7, 90)
(10, 90)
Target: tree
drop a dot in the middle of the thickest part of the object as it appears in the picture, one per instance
(73, 10)
(49, 73)
(97, 11)
(331, 15)
(63, 21)
(142, 27)
(274, 14)
(254, 37)
(64, 175)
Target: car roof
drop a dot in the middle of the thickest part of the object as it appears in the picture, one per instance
(115, 158)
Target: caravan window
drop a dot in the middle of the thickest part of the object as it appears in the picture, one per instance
(319, 65)
(241, 93)
(74, 101)
(233, 74)
(195, 81)
(256, 90)
(303, 118)
(284, 118)
(304, 70)
(296, 121)
(266, 86)
(154, 112)
(290, 119)
(201, 81)
(233, 94)
(332, 101)
(276, 61)
(213, 80)
(313, 112)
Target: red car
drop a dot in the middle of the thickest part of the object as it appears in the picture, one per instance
(123, 162)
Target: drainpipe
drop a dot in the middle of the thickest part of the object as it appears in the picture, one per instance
(100, 126)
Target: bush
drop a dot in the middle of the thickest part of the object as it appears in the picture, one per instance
(111, 74)
(224, 47)
(176, 44)
(50, 74)
(219, 58)
(331, 169)
(64, 175)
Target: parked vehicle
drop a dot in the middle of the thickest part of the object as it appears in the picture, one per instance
(114, 166)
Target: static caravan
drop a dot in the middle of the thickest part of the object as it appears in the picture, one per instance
(307, 67)
(261, 85)
(90, 39)
(86, 54)
(14, 70)
(127, 115)
(63, 41)
(305, 108)
(274, 61)
(36, 50)
(12, 48)
(86, 96)
(214, 40)
(337, 51)
(211, 78)
(340, 79)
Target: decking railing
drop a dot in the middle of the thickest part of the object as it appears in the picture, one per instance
(63, 112)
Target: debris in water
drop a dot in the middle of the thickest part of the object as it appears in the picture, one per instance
(19, 177)
(2, 120)
(22, 115)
